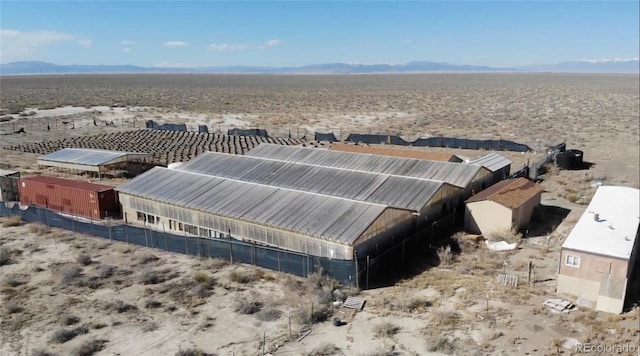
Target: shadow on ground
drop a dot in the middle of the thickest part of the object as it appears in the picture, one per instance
(416, 262)
(545, 220)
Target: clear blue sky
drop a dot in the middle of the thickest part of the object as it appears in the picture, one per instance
(277, 33)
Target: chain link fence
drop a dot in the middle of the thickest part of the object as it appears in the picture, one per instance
(382, 269)
(534, 170)
(344, 271)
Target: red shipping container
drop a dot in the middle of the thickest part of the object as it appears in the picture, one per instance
(73, 197)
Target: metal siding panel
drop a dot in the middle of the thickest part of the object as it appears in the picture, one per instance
(284, 209)
(263, 213)
(450, 172)
(70, 200)
(492, 161)
(358, 185)
(348, 232)
(89, 157)
(296, 219)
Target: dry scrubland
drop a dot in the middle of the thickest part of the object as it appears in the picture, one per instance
(596, 113)
(69, 294)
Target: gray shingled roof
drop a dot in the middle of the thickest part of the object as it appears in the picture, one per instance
(458, 174)
(326, 217)
(397, 192)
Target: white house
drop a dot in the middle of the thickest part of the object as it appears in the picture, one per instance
(597, 258)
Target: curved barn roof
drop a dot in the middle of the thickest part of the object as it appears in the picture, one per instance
(460, 175)
(322, 216)
(395, 191)
(87, 159)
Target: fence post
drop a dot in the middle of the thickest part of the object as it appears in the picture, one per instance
(308, 266)
(186, 246)
(46, 216)
(366, 284)
(109, 228)
(198, 245)
(230, 250)
(355, 258)
(92, 226)
(146, 239)
(278, 255)
(253, 248)
(330, 266)
(164, 232)
(126, 233)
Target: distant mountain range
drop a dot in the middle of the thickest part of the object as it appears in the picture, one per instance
(631, 65)
(584, 66)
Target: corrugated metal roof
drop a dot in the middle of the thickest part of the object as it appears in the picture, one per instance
(456, 174)
(394, 191)
(492, 161)
(396, 151)
(6, 172)
(68, 183)
(321, 216)
(510, 193)
(614, 233)
(88, 157)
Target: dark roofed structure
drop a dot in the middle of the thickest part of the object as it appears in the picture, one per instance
(510, 193)
(397, 152)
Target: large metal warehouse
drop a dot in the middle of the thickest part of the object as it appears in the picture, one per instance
(208, 206)
(90, 160)
(424, 198)
(324, 203)
(469, 177)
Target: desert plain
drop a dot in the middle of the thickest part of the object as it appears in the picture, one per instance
(64, 293)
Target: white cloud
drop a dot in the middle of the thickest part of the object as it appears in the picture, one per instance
(21, 45)
(175, 44)
(271, 43)
(127, 49)
(127, 43)
(610, 60)
(225, 47)
(85, 42)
